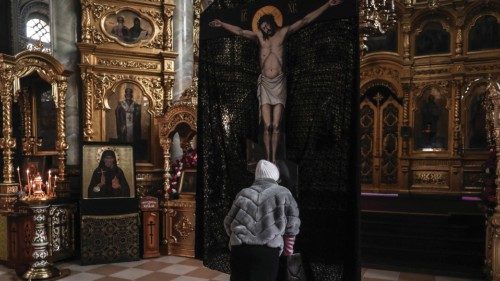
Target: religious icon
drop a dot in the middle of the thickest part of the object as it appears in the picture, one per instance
(484, 34)
(433, 39)
(128, 27)
(188, 182)
(128, 119)
(107, 171)
(431, 121)
(477, 137)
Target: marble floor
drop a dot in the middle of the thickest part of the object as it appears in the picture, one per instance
(171, 268)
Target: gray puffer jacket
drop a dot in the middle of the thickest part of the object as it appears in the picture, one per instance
(262, 214)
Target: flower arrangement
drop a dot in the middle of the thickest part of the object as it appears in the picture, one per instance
(189, 160)
(488, 195)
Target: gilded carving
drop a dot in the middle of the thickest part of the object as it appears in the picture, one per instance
(147, 177)
(168, 31)
(27, 65)
(430, 178)
(128, 64)
(154, 86)
(156, 43)
(380, 71)
(156, 16)
(432, 162)
(7, 142)
(196, 27)
(181, 204)
(458, 49)
(98, 37)
(177, 114)
(431, 71)
(169, 88)
(184, 227)
(86, 21)
(102, 83)
(99, 9)
(483, 68)
(87, 88)
(170, 65)
(457, 128)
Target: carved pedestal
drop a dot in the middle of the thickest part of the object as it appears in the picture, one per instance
(41, 268)
(179, 224)
(150, 227)
(20, 236)
(19, 229)
(4, 253)
(7, 195)
(61, 231)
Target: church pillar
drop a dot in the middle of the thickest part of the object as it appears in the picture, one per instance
(65, 19)
(183, 46)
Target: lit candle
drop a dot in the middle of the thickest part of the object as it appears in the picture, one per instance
(28, 182)
(19, 178)
(55, 182)
(48, 184)
(392, 5)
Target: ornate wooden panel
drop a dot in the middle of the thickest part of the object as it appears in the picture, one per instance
(20, 236)
(431, 179)
(180, 224)
(61, 231)
(389, 168)
(380, 121)
(4, 254)
(367, 133)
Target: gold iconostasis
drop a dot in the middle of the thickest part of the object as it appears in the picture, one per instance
(423, 111)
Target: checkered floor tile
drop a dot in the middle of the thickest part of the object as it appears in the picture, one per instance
(166, 268)
(171, 268)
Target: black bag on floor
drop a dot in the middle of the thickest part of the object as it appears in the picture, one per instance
(291, 268)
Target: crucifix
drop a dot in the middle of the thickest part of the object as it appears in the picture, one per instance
(151, 224)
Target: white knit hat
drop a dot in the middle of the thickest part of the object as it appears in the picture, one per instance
(266, 169)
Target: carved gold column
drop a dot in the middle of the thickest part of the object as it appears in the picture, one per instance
(456, 117)
(459, 42)
(406, 119)
(493, 92)
(406, 41)
(86, 22)
(29, 141)
(196, 32)
(7, 143)
(61, 144)
(8, 187)
(87, 88)
(168, 31)
(165, 143)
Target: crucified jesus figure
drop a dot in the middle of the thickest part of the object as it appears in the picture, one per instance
(271, 84)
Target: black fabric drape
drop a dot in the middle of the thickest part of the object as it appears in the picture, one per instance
(321, 67)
